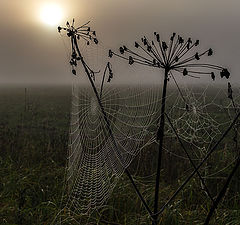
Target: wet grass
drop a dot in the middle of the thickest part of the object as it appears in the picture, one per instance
(33, 146)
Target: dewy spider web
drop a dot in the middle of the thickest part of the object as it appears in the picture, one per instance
(95, 162)
(189, 115)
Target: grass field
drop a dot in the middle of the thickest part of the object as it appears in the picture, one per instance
(34, 125)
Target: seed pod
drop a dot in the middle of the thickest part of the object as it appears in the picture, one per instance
(74, 71)
(121, 49)
(158, 37)
(136, 44)
(74, 55)
(149, 48)
(196, 43)
(59, 29)
(225, 73)
(210, 52)
(197, 56)
(213, 75)
(181, 40)
(185, 72)
(164, 46)
(172, 37)
(145, 41)
(110, 53)
(131, 61)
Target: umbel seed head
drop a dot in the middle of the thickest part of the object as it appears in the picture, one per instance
(177, 56)
(82, 33)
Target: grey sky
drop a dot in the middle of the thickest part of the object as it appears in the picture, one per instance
(31, 52)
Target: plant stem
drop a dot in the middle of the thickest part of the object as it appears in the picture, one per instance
(160, 135)
(222, 192)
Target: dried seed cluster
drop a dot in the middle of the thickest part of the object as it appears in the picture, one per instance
(176, 56)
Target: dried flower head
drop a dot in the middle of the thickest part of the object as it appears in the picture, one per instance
(178, 55)
(82, 32)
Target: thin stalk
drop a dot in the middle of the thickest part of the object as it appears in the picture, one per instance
(222, 192)
(108, 124)
(160, 135)
(104, 74)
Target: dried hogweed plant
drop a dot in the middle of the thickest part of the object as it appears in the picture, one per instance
(90, 188)
(176, 56)
(84, 33)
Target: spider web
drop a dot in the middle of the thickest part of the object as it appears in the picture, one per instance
(200, 124)
(191, 118)
(96, 159)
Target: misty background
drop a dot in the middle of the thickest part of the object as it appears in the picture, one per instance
(33, 53)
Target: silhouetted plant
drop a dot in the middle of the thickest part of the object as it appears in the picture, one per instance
(75, 34)
(82, 32)
(177, 56)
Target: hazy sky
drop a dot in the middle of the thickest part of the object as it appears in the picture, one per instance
(33, 52)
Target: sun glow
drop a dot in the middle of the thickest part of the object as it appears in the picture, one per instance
(51, 14)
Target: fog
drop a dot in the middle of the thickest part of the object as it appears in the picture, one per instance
(33, 53)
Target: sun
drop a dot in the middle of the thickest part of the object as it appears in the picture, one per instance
(51, 14)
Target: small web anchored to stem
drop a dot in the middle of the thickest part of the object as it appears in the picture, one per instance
(177, 55)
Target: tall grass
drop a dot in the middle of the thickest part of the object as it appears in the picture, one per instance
(32, 162)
